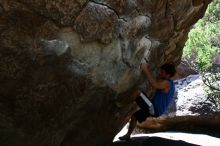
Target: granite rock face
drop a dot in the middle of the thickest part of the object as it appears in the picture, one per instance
(63, 62)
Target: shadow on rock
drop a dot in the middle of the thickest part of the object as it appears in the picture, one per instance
(141, 141)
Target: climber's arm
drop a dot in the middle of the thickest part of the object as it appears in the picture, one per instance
(156, 84)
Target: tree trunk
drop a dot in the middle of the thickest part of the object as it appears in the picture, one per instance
(209, 125)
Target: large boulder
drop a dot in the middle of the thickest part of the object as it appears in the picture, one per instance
(64, 62)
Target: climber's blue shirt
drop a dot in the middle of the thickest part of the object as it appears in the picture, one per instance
(162, 99)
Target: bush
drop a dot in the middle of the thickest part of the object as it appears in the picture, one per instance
(203, 45)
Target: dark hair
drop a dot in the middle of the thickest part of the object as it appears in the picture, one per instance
(169, 69)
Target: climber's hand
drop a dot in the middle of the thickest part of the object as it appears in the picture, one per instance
(144, 66)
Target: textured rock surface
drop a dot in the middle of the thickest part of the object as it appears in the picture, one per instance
(183, 70)
(190, 124)
(64, 61)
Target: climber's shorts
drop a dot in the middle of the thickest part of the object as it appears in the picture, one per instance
(146, 108)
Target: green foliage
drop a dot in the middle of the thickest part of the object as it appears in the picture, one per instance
(212, 82)
(213, 12)
(203, 45)
(204, 40)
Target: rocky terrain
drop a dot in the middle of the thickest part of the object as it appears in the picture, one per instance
(64, 62)
(192, 99)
